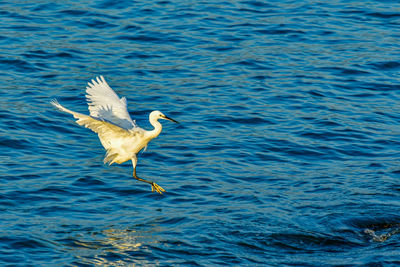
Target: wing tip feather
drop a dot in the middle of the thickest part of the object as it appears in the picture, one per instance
(56, 104)
(97, 81)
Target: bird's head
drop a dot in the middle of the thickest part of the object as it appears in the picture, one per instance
(155, 115)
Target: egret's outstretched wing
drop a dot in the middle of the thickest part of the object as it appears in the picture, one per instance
(104, 129)
(105, 104)
(107, 131)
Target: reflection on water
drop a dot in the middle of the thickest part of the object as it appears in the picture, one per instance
(123, 239)
(112, 246)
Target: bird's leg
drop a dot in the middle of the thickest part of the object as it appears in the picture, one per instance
(154, 186)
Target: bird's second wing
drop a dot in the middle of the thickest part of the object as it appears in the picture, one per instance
(105, 104)
(105, 130)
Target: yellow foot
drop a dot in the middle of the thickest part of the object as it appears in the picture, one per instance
(157, 188)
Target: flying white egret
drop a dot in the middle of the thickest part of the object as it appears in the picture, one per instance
(118, 134)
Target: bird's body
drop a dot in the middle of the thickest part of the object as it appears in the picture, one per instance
(118, 134)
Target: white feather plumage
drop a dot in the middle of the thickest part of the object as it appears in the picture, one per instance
(105, 104)
(118, 134)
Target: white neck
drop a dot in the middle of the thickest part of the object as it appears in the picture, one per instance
(157, 128)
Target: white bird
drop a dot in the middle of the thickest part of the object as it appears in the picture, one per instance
(118, 134)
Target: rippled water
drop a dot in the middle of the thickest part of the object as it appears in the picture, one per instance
(287, 152)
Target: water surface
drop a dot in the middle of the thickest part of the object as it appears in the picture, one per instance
(287, 151)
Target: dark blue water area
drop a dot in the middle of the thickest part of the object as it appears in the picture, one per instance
(287, 152)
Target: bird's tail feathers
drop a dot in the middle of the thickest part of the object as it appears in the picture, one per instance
(110, 157)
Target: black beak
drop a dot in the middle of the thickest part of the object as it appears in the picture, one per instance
(165, 117)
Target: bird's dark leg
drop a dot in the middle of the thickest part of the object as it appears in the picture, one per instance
(154, 186)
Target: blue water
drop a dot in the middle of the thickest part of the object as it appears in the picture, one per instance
(287, 152)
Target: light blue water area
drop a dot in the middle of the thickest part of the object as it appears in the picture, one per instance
(287, 151)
